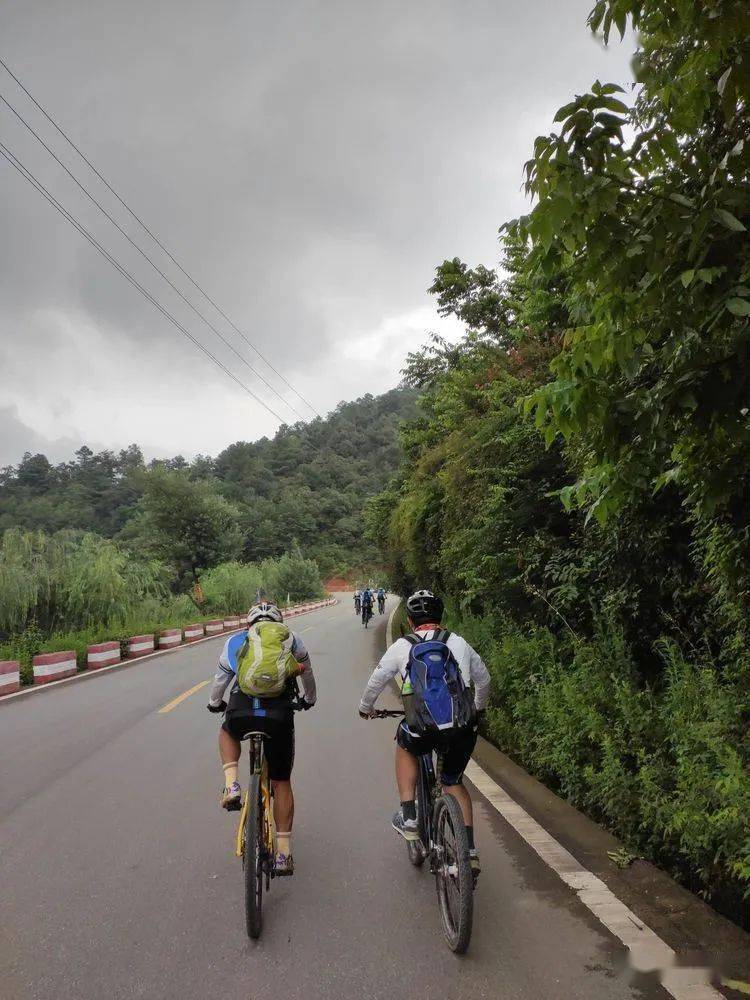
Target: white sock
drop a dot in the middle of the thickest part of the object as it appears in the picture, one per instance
(284, 842)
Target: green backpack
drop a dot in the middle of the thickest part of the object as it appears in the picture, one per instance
(265, 662)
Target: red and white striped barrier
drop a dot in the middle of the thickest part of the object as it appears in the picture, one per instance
(140, 645)
(52, 666)
(102, 654)
(170, 637)
(302, 609)
(10, 676)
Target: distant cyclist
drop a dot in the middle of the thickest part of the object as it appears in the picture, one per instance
(454, 741)
(381, 599)
(272, 715)
(367, 603)
(358, 602)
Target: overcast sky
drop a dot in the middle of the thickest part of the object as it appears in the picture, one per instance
(309, 163)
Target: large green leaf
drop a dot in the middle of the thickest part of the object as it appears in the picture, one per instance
(730, 221)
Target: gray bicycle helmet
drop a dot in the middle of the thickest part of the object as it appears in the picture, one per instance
(264, 612)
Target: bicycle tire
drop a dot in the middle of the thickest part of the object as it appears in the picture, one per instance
(455, 889)
(253, 860)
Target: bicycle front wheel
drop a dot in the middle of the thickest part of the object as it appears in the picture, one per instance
(453, 876)
(253, 860)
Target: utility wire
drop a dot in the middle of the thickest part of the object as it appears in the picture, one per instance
(145, 256)
(156, 239)
(37, 184)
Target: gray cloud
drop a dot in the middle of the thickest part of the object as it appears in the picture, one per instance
(16, 438)
(309, 162)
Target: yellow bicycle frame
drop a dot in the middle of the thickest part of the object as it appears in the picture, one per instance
(268, 823)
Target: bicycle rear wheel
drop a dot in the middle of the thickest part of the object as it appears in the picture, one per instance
(252, 860)
(453, 877)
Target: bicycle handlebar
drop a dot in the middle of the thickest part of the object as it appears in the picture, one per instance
(386, 713)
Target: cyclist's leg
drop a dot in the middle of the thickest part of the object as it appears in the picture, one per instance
(229, 747)
(279, 750)
(229, 752)
(463, 798)
(456, 752)
(407, 769)
(408, 749)
(283, 804)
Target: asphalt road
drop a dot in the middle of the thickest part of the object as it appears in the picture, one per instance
(118, 877)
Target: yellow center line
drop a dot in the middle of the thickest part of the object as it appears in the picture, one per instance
(181, 697)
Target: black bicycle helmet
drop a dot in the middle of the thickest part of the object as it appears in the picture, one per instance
(423, 607)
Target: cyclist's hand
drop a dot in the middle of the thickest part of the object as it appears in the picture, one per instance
(365, 715)
(305, 705)
(221, 707)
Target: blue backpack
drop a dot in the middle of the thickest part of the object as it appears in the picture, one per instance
(434, 693)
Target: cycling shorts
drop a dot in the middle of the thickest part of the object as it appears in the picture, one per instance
(278, 744)
(455, 746)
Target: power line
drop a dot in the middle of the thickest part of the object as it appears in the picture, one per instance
(156, 239)
(143, 254)
(37, 184)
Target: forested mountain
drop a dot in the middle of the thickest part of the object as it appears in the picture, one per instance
(577, 482)
(308, 484)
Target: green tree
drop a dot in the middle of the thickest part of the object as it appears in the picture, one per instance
(185, 522)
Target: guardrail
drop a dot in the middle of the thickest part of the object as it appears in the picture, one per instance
(50, 667)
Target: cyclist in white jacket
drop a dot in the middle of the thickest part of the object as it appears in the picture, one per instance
(424, 612)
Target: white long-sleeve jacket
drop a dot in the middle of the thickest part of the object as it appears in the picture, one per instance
(396, 658)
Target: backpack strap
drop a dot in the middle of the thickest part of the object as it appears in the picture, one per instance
(442, 635)
(413, 639)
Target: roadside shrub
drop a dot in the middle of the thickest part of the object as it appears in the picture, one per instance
(231, 586)
(291, 578)
(286, 580)
(71, 580)
(665, 768)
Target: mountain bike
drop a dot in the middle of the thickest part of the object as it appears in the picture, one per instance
(444, 843)
(256, 831)
(381, 605)
(366, 614)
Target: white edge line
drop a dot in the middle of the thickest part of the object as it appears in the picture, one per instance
(648, 953)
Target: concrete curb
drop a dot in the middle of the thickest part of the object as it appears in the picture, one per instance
(88, 675)
(389, 626)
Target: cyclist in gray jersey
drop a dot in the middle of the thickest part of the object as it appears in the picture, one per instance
(272, 716)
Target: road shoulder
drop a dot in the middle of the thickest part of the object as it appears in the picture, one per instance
(699, 935)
